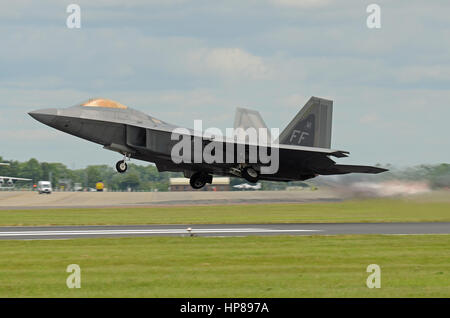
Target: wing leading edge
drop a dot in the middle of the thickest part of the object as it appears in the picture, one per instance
(15, 179)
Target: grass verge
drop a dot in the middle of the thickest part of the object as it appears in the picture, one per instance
(281, 266)
(380, 210)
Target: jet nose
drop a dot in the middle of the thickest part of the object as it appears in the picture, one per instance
(45, 116)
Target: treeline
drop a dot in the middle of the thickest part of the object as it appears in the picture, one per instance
(147, 178)
(137, 177)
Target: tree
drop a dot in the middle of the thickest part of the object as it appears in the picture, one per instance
(93, 176)
(130, 180)
(32, 169)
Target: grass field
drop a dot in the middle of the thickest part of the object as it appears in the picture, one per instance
(284, 266)
(272, 266)
(378, 210)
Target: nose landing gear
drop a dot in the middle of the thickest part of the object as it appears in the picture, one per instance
(121, 166)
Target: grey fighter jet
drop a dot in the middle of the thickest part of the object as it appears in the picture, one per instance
(303, 147)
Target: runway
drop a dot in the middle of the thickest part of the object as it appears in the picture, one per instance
(16, 200)
(70, 232)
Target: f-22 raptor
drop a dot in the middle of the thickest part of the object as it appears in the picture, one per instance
(303, 147)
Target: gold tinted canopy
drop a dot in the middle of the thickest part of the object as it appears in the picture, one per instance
(102, 102)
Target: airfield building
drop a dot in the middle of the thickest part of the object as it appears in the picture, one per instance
(182, 184)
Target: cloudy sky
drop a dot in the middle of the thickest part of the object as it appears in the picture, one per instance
(181, 60)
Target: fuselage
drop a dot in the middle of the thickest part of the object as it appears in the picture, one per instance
(132, 132)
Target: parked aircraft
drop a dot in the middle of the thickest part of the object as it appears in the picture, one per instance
(9, 181)
(246, 186)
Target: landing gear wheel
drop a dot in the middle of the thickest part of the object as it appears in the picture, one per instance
(121, 166)
(250, 174)
(199, 180)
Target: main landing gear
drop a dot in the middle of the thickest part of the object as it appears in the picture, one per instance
(200, 179)
(121, 166)
(250, 174)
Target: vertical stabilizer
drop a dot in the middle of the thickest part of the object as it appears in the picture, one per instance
(247, 118)
(311, 127)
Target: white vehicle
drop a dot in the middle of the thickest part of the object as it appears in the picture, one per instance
(44, 187)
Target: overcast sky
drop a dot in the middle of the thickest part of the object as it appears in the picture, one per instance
(181, 60)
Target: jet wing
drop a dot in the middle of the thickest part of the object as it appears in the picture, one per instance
(326, 151)
(281, 147)
(321, 164)
(292, 148)
(15, 179)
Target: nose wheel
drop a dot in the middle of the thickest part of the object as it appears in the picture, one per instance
(121, 166)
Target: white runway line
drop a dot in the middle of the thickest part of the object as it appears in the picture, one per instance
(152, 231)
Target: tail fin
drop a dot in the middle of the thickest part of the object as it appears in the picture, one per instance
(311, 126)
(247, 118)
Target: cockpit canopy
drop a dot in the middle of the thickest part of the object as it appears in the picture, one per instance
(102, 102)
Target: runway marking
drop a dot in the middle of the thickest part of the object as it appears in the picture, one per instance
(152, 231)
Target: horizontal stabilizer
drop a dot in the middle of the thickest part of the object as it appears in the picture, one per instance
(344, 169)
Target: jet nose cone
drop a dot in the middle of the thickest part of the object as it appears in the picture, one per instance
(45, 116)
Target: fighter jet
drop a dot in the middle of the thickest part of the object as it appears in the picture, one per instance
(302, 149)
